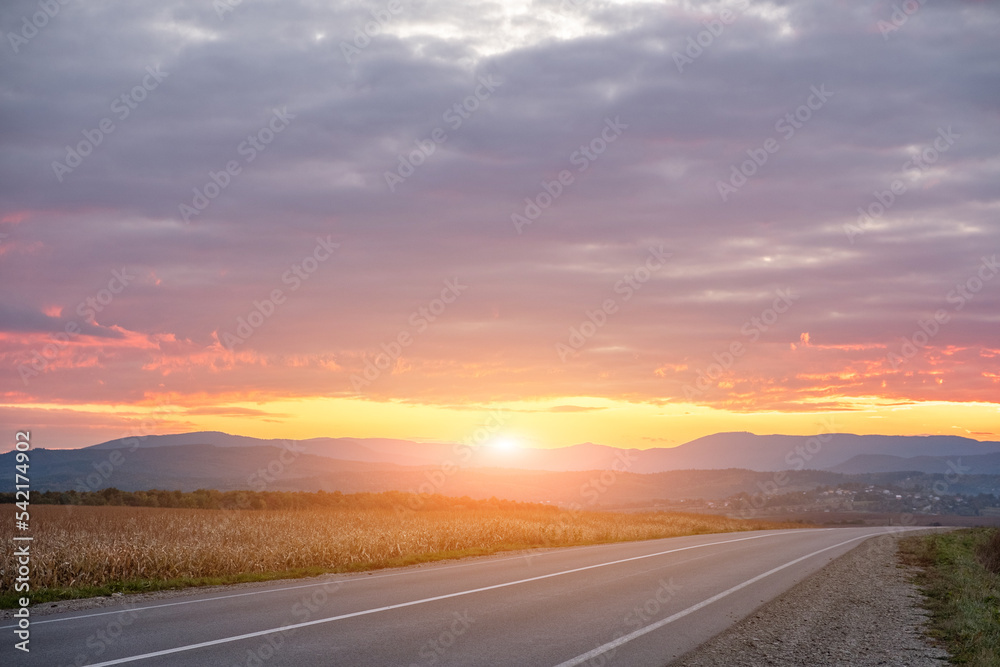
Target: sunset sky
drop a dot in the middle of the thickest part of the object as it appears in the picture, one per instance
(631, 223)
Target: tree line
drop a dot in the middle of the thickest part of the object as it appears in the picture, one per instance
(264, 500)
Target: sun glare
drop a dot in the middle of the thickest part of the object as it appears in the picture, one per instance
(505, 445)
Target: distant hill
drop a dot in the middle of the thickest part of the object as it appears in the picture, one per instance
(191, 467)
(978, 464)
(713, 452)
(374, 450)
(821, 452)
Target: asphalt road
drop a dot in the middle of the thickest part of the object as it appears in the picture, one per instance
(635, 604)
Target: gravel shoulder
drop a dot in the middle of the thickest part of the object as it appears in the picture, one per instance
(859, 611)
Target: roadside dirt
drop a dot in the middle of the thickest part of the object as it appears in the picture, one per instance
(860, 611)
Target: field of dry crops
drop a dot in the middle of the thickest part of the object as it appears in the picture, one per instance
(97, 546)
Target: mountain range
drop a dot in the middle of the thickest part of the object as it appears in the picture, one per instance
(712, 467)
(838, 452)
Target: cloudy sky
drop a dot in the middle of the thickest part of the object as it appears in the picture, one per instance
(632, 223)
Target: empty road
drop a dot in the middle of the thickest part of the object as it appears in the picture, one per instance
(635, 604)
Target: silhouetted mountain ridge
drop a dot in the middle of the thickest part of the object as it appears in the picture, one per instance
(718, 451)
(977, 464)
(268, 468)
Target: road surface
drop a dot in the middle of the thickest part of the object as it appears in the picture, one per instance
(635, 604)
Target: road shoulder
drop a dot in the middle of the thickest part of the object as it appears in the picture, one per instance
(861, 610)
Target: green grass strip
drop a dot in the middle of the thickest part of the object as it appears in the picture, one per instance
(963, 594)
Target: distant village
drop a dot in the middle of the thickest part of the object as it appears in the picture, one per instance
(852, 497)
(872, 498)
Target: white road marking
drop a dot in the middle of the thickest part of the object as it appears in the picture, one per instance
(345, 580)
(624, 639)
(260, 592)
(295, 626)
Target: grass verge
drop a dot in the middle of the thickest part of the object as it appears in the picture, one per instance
(963, 592)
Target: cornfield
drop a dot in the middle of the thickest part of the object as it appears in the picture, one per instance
(99, 546)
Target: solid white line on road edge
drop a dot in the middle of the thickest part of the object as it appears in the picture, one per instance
(286, 628)
(624, 639)
(292, 588)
